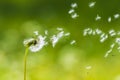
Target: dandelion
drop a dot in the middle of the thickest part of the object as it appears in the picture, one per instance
(116, 16)
(74, 5)
(92, 4)
(74, 15)
(98, 17)
(33, 44)
(71, 11)
(109, 19)
(72, 42)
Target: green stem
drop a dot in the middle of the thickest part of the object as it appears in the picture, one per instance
(25, 61)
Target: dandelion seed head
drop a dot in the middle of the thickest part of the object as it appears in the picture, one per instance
(39, 45)
(92, 4)
(116, 16)
(74, 5)
(27, 41)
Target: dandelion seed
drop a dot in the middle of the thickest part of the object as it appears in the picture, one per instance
(74, 5)
(55, 38)
(67, 34)
(103, 38)
(72, 42)
(90, 31)
(93, 32)
(98, 17)
(46, 32)
(112, 46)
(98, 31)
(102, 35)
(74, 15)
(118, 41)
(112, 33)
(107, 53)
(109, 19)
(85, 31)
(60, 29)
(92, 4)
(71, 11)
(88, 67)
(116, 16)
(36, 32)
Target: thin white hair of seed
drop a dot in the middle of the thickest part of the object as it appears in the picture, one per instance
(90, 31)
(112, 45)
(92, 4)
(71, 11)
(116, 16)
(85, 32)
(103, 38)
(39, 44)
(117, 41)
(98, 17)
(74, 5)
(93, 33)
(74, 15)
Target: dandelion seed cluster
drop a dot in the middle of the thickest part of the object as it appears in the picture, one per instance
(38, 42)
(72, 12)
(104, 36)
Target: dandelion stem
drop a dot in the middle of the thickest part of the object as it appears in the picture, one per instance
(25, 61)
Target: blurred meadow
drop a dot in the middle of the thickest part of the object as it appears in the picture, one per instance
(83, 60)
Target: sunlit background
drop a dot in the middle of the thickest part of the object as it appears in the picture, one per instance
(83, 60)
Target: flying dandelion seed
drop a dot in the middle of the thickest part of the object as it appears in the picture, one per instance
(103, 38)
(36, 32)
(112, 33)
(67, 34)
(88, 67)
(109, 19)
(85, 32)
(74, 5)
(92, 4)
(55, 38)
(116, 16)
(74, 15)
(107, 53)
(60, 29)
(98, 31)
(98, 17)
(71, 11)
(72, 42)
(46, 32)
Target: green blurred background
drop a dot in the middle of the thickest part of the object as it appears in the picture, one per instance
(18, 20)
